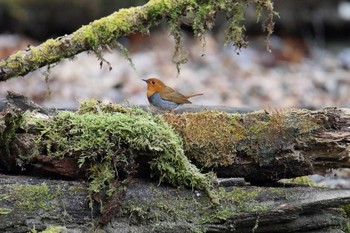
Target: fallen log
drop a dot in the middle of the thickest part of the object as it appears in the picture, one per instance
(264, 146)
(261, 146)
(110, 146)
(36, 203)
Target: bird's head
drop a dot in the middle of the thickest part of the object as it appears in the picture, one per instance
(153, 85)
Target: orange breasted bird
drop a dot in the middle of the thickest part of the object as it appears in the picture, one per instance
(163, 97)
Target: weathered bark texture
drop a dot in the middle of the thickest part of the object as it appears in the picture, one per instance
(151, 208)
(266, 145)
(32, 203)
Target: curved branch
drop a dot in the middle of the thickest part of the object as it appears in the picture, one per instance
(105, 31)
(89, 37)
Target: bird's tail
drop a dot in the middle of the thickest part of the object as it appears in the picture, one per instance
(192, 95)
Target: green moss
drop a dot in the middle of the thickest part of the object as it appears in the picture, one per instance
(305, 180)
(103, 32)
(346, 209)
(10, 120)
(33, 197)
(4, 211)
(108, 139)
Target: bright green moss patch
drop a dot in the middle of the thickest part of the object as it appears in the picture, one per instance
(110, 139)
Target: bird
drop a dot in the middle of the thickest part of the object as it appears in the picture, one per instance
(164, 97)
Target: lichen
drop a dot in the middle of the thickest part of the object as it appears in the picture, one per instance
(169, 209)
(54, 229)
(4, 211)
(33, 197)
(301, 180)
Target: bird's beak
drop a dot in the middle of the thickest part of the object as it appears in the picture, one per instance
(144, 80)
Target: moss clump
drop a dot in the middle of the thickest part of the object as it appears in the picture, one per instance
(108, 140)
(10, 120)
(201, 15)
(346, 209)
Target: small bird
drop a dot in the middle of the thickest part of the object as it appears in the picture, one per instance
(163, 97)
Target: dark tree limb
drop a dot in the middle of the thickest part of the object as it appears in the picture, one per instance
(28, 203)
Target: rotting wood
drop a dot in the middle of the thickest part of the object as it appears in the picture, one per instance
(148, 207)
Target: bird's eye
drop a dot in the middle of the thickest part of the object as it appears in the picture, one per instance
(153, 82)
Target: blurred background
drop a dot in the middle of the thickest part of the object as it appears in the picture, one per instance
(309, 66)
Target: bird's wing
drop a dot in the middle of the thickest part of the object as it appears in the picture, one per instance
(170, 94)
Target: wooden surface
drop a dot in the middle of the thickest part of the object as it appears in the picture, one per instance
(293, 209)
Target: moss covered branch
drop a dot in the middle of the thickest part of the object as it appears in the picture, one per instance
(105, 31)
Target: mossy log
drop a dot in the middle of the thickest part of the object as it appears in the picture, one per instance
(260, 146)
(264, 146)
(111, 147)
(28, 203)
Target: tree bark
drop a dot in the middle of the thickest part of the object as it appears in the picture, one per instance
(35, 203)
